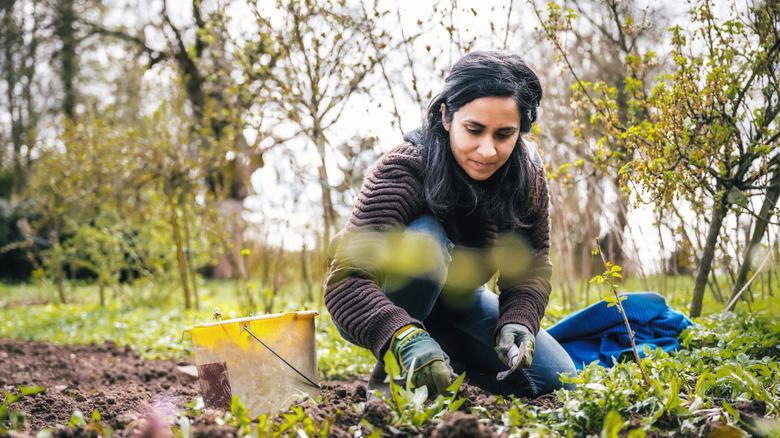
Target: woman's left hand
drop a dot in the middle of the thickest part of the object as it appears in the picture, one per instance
(516, 334)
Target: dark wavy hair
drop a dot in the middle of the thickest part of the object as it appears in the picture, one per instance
(511, 192)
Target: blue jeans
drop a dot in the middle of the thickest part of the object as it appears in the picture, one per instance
(465, 332)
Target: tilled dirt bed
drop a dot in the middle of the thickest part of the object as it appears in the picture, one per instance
(144, 398)
(137, 397)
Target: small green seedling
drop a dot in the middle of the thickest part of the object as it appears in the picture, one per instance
(14, 420)
(610, 274)
(409, 405)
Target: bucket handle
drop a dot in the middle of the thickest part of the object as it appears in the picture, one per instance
(281, 358)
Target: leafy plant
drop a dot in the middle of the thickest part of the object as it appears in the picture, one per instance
(294, 423)
(612, 272)
(15, 420)
(409, 405)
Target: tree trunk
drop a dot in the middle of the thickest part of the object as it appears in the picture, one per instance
(66, 33)
(566, 253)
(18, 70)
(60, 271)
(278, 278)
(180, 253)
(227, 181)
(190, 264)
(718, 214)
(770, 202)
(327, 204)
(61, 283)
(587, 258)
(305, 273)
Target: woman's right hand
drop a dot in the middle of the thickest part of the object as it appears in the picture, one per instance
(417, 352)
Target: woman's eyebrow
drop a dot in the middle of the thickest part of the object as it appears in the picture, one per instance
(472, 122)
(505, 128)
(480, 125)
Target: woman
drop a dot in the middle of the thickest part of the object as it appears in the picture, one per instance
(469, 199)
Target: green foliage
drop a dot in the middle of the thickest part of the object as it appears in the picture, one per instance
(726, 360)
(610, 274)
(409, 405)
(294, 423)
(92, 428)
(110, 199)
(154, 332)
(613, 423)
(686, 391)
(337, 358)
(14, 420)
(734, 354)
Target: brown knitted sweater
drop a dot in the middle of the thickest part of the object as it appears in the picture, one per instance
(392, 196)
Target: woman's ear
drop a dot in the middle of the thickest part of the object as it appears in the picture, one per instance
(444, 121)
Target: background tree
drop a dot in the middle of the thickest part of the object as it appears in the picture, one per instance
(587, 197)
(21, 38)
(118, 187)
(221, 73)
(706, 131)
(317, 72)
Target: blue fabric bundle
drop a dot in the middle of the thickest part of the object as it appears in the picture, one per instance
(598, 333)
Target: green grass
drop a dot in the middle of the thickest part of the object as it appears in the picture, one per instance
(151, 319)
(155, 331)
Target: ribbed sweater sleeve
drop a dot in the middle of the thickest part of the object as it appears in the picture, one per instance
(390, 198)
(523, 299)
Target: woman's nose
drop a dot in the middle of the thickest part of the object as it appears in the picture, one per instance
(487, 148)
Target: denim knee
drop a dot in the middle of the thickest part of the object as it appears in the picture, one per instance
(425, 249)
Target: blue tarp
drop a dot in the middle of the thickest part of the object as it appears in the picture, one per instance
(598, 333)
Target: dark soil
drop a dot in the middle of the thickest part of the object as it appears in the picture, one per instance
(112, 380)
(144, 398)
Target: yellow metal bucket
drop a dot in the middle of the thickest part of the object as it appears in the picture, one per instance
(231, 361)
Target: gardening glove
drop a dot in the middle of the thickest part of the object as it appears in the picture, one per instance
(516, 335)
(413, 344)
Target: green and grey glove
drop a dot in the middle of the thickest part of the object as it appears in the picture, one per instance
(516, 334)
(413, 345)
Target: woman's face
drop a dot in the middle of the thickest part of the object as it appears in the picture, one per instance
(482, 134)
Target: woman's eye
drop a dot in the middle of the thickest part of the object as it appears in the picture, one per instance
(474, 131)
(503, 136)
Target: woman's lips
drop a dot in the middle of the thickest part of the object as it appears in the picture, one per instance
(480, 164)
